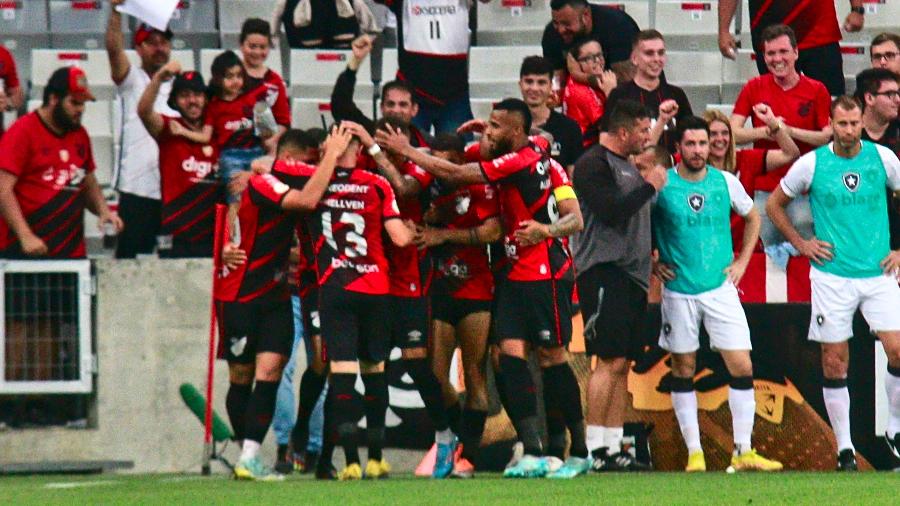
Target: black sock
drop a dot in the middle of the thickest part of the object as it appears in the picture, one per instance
(471, 428)
(454, 414)
(311, 385)
(375, 402)
(522, 406)
(260, 410)
(429, 389)
(329, 435)
(346, 410)
(561, 386)
(236, 406)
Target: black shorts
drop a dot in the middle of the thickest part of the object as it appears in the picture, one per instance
(309, 308)
(452, 310)
(409, 318)
(248, 328)
(539, 312)
(355, 326)
(613, 306)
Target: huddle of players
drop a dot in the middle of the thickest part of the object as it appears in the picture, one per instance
(372, 253)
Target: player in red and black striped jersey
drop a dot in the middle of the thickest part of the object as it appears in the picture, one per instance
(47, 175)
(252, 294)
(533, 299)
(461, 221)
(187, 169)
(411, 274)
(355, 216)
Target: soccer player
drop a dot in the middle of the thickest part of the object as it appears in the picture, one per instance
(692, 228)
(252, 296)
(410, 268)
(538, 209)
(189, 188)
(461, 222)
(853, 266)
(351, 223)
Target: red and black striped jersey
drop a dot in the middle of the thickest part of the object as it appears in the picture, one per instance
(526, 181)
(266, 233)
(188, 186)
(348, 230)
(462, 270)
(410, 266)
(814, 21)
(232, 120)
(50, 169)
(306, 265)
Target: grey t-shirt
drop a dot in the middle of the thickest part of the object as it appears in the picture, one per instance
(615, 203)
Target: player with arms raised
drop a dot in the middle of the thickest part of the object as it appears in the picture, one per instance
(538, 209)
(852, 263)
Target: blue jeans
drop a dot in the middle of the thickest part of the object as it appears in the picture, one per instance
(285, 406)
(444, 118)
(234, 160)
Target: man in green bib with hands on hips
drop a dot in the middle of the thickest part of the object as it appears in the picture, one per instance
(692, 231)
(852, 263)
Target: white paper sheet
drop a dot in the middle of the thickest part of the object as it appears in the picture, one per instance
(155, 13)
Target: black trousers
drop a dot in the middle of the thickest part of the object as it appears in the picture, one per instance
(142, 218)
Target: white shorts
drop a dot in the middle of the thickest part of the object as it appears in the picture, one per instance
(835, 300)
(718, 309)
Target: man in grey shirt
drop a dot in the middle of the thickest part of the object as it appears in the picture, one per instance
(612, 256)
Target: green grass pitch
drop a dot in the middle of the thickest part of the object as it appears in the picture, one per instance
(646, 489)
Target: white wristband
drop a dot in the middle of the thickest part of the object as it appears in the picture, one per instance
(374, 150)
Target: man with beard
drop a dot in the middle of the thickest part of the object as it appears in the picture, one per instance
(397, 99)
(853, 266)
(47, 175)
(534, 297)
(692, 228)
(136, 175)
(575, 19)
(187, 169)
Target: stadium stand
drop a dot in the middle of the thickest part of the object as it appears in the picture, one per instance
(232, 14)
(195, 26)
(23, 25)
(78, 25)
(512, 22)
(638, 10)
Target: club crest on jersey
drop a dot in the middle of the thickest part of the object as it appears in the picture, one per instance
(63, 155)
(851, 181)
(696, 201)
(207, 151)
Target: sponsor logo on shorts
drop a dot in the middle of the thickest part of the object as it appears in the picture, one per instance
(851, 181)
(544, 335)
(414, 336)
(696, 200)
(667, 328)
(820, 319)
(238, 344)
(314, 318)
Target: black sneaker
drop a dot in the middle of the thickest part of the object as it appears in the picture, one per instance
(311, 459)
(624, 461)
(284, 463)
(326, 472)
(846, 460)
(600, 455)
(893, 444)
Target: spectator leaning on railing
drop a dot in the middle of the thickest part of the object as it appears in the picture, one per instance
(47, 175)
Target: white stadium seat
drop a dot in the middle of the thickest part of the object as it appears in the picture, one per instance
(309, 112)
(725, 108)
(698, 73)
(313, 73)
(494, 70)
(856, 58)
(481, 107)
(78, 24)
(881, 16)
(736, 73)
(512, 22)
(688, 25)
(639, 10)
(232, 13)
(194, 25)
(94, 62)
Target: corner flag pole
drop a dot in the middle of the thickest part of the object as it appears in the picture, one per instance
(221, 211)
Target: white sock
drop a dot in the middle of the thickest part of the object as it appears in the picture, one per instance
(443, 437)
(685, 404)
(613, 439)
(595, 437)
(743, 406)
(837, 403)
(250, 449)
(892, 385)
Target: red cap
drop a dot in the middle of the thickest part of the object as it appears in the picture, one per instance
(71, 81)
(144, 30)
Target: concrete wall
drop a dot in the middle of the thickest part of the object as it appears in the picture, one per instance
(152, 335)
